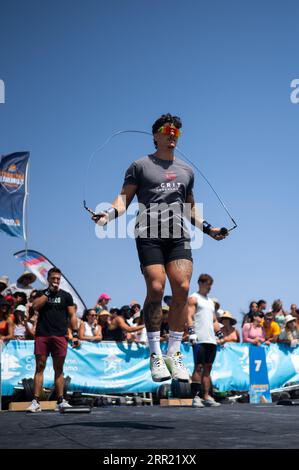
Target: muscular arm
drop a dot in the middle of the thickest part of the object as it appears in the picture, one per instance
(192, 212)
(124, 199)
(192, 305)
(72, 317)
(39, 302)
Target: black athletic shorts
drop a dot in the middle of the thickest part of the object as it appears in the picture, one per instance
(204, 353)
(162, 250)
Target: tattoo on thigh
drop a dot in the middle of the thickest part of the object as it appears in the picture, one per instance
(152, 315)
(185, 266)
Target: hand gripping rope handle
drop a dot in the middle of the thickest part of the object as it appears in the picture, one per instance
(224, 230)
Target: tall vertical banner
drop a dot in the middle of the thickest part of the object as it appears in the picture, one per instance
(13, 193)
(259, 387)
(39, 265)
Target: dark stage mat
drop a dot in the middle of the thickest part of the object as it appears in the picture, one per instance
(237, 426)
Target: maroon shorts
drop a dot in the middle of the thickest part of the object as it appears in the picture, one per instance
(54, 345)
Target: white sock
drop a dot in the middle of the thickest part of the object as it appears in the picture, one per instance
(154, 342)
(174, 342)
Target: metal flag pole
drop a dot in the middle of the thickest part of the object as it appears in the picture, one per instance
(26, 214)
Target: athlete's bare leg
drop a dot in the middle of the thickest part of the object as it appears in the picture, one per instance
(59, 378)
(155, 278)
(41, 361)
(179, 273)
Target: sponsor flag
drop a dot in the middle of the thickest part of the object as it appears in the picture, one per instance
(13, 193)
(39, 265)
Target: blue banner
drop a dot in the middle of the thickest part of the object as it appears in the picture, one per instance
(259, 389)
(13, 193)
(110, 367)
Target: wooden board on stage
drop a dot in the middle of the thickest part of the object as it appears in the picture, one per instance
(23, 405)
(176, 402)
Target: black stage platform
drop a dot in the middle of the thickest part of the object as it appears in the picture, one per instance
(237, 426)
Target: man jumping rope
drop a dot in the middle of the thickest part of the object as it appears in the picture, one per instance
(162, 240)
(55, 310)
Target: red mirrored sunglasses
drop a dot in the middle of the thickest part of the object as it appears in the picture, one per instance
(167, 130)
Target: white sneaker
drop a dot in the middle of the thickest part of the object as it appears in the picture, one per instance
(158, 367)
(197, 402)
(34, 407)
(61, 406)
(176, 367)
(210, 402)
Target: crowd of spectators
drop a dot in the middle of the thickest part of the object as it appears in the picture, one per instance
(104, 323)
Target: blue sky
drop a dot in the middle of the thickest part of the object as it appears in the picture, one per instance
(76, 71)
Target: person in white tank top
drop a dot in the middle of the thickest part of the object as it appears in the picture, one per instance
(203, 331)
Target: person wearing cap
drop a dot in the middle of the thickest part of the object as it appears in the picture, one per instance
(102, 303)
(6, 323)
(23, 284)
(21, 329)
(272, 329)
(230, 333)
(290, 333)
(254, 332)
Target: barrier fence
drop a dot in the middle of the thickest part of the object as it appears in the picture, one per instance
(109, 367)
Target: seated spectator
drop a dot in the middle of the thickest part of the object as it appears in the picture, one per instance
(89, 329)
(23, 284)
(117, 328)
(248, 317)
(272, 329)
(290, 333)
(102, 303)
(4, 283)
(230, 333)
(6, 323)
(20, 326)
(254, 332)
(278, 313)
(262, 307)
(164, 330)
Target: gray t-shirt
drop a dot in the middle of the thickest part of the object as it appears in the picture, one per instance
(163, 187)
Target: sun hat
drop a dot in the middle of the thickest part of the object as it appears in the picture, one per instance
(4, 280)
(27, 274)
(289, 318)
(227, 314)
(104, 312)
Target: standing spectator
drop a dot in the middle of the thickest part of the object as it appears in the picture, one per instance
(4, 282)
(293, 310)
(23, 284)
(230, 333)
(56, 309)
(89, 329)
(248, 317)
(6, 323)
(203, 329)
(278, 313)
(102, 303)
(272, 328)
(262, 307)
(254, 332)
(290, 333)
